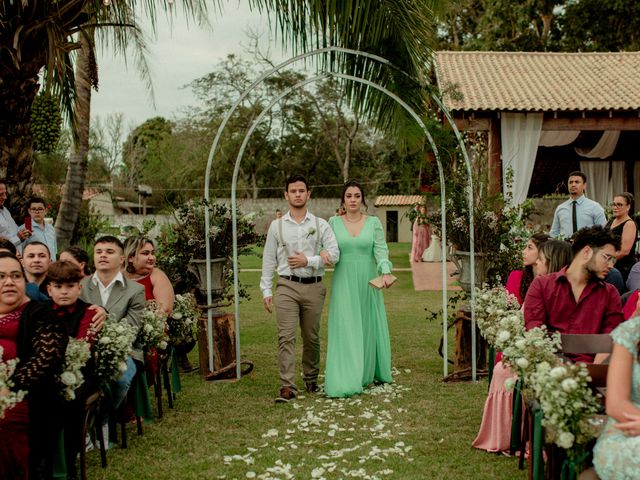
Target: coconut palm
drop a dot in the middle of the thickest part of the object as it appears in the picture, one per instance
(41, 36)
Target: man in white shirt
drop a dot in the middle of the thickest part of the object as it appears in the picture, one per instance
(292, 250)
(8, 227)
(122, 298)
(39, 228)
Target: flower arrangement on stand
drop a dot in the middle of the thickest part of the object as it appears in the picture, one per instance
(491, 305)
(183, 322)
(112, 346)
(6, 371)
(153, 329)
(75, 358)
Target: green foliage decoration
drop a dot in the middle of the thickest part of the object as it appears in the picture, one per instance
(46, 122)
(184, 240)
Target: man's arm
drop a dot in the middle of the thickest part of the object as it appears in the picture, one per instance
(329, 244)
(269, 261)
(612, 316)
(598, 215)
(135, 308)
(555, 226)
(535, 312)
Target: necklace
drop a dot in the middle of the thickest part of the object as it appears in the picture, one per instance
(353, 221)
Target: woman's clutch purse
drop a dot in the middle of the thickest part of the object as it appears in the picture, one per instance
(378, 283)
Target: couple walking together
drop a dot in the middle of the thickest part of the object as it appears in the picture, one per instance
(298, 247)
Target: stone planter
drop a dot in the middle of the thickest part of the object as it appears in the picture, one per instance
(463, 262)
(199, 268)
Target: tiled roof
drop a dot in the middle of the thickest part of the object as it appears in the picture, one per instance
(540, 81)
(397, 200)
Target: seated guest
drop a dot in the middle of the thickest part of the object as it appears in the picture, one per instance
(495, 431)
(122, 298)
(29, 331)
(36, 260)
(624, 227)
(519, 280)
(616, 454)
(64, 289)
(33, 292)
(78, 257)
(576, 299)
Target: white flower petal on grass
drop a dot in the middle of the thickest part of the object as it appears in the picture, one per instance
(317, 472)
(270, 433)
(251, 475)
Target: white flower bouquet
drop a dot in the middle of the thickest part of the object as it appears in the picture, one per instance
(491, 306)
(183, 322)
(567, 403)
(6, 370)
(529, 349)
(112, 346)
(509, 328)
(75, 358)
(153, 330)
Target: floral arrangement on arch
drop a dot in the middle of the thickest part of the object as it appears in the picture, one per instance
(183, 322)
(185, 239)
(6, 371)
(113, 344)
(75, 358)
(153, 327)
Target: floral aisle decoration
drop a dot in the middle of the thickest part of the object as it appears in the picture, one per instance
(75, 358)
(561, 388)
(112, 346)
(567, 402)
(6, 371)
(153, 329)
(185, 239)
(183, 322)
(491, 305)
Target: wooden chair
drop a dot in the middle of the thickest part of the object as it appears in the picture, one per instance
(92, 416)
(590, 344)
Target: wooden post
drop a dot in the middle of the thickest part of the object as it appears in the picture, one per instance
(494, 162)
(224, 353)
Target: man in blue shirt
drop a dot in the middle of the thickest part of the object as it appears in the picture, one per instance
(41, 231)
(577, 212)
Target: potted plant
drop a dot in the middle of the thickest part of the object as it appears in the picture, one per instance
(182, 246)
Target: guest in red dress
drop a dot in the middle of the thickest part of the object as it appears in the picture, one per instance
(29, 332)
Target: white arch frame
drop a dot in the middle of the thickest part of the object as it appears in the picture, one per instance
(240, 155)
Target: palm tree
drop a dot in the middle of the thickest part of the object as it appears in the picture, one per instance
(40, 35)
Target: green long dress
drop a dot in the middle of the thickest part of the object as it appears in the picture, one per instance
(358, 350)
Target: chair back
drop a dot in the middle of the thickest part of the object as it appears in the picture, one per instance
(586, 343)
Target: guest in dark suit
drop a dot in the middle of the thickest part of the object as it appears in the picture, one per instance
(121, 298)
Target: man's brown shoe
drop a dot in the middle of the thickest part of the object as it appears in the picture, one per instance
(286, 395)
(312, 387)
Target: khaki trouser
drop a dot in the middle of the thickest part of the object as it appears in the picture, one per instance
(298, 304)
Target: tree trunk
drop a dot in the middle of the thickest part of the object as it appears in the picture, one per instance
(77, 169)
(18, 90)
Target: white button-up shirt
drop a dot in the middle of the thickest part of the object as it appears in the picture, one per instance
(298, 237)
(105, 292)
(8, 227)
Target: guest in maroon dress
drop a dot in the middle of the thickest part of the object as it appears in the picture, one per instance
(140, 266)
(29, 331)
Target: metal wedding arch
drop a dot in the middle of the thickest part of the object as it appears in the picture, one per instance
(256, 122)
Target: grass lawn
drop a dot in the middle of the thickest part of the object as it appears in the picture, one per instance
(417, 428)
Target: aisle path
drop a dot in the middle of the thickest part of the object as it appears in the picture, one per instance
(427, 276)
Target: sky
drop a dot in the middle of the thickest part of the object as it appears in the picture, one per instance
(177, 56)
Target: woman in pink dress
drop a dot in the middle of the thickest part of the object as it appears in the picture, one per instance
(495, 430)
(421, 234)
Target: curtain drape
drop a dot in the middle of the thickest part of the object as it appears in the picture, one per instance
(605, 146)
(557, 138)
(520, 134)
(604, 180)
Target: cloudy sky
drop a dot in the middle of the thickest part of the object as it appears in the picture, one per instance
(178, 55)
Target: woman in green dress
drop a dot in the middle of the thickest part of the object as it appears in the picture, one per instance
(358, 351)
